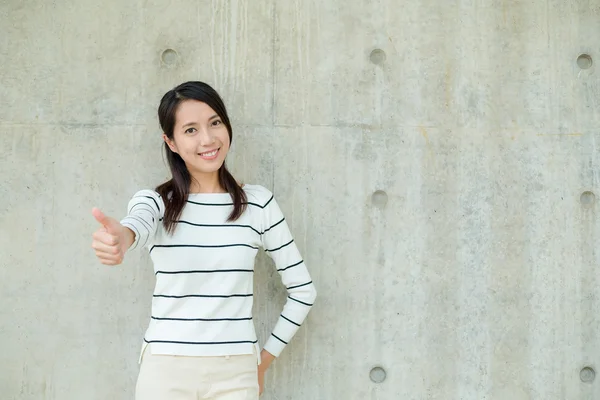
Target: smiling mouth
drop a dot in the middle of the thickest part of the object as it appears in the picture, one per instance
(209, 154)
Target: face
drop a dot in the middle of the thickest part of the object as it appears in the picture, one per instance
(200, 138)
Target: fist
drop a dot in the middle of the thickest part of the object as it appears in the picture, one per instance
(111, 240)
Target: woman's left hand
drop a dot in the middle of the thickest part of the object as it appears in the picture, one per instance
(266, 359)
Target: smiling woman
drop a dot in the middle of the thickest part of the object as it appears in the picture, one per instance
(203, 231)
(195, 124)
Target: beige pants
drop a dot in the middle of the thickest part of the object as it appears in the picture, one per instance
(164, 377)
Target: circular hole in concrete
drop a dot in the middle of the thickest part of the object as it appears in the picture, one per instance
(379, 198)
(377, 56)
(169, 56)
(587, 199)
(584, 61)
(377, 374)
(587, 374)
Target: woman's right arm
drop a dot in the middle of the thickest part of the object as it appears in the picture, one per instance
(144, 212)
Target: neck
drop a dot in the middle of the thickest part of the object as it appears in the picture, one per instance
(206, 183)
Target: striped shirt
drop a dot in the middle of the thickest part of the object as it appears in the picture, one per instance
(202, 302)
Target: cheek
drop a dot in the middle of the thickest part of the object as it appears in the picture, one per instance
(185, 146)
(224, 138)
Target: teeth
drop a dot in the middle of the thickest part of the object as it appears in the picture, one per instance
(212, 153)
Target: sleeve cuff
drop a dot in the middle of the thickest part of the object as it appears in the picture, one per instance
(132, 224)
(274, 346)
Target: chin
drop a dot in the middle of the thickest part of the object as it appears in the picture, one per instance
(207, 169)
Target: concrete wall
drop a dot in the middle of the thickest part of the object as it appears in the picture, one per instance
(474, 275)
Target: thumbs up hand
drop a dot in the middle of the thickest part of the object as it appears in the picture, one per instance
(111, 240)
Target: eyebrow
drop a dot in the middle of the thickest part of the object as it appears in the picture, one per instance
(195, 123)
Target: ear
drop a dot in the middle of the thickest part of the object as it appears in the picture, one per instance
(170, 143)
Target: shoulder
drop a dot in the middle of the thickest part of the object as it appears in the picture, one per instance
(150, 197)
(147, 193)
(258, 195)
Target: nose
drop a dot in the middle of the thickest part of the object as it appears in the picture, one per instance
(206, 139)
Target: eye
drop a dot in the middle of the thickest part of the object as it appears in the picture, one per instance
(216, 122)
(190, 130)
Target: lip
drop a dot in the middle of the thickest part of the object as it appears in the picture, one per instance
(210, 157)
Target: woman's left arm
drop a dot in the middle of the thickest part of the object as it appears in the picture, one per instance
(279, 245)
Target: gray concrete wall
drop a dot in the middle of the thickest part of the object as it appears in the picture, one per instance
(474, 276)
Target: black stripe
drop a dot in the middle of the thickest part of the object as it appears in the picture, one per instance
(204, 246)
(301, 302)
(178, 342)
(142, 204)
(217, 226)
(202, 295)
(272, 334)
(270, 200)
(281, 247)
(271, 227)
(289, 320)
(151, 198)
(230, 204)
(149, 208)
(202, 319)
(297, 286)
(291, 266)
(202, 271)
(145, 223)
(223, 204)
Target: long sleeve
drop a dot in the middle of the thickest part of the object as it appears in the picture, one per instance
(144, 212)
(279, 244)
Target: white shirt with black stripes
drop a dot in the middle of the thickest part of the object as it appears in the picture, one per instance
(202, 301)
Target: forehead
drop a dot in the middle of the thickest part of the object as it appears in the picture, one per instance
(193, 111)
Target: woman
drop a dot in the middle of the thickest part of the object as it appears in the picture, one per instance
(203, 231)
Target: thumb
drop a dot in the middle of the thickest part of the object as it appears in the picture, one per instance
(111, 224)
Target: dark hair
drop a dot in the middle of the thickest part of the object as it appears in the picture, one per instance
(176, 190)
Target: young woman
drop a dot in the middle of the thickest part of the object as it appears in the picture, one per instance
(203, 230)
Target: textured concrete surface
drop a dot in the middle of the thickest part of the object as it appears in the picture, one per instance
(473, 276)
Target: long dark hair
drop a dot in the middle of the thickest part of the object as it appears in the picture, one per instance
(176, 190)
